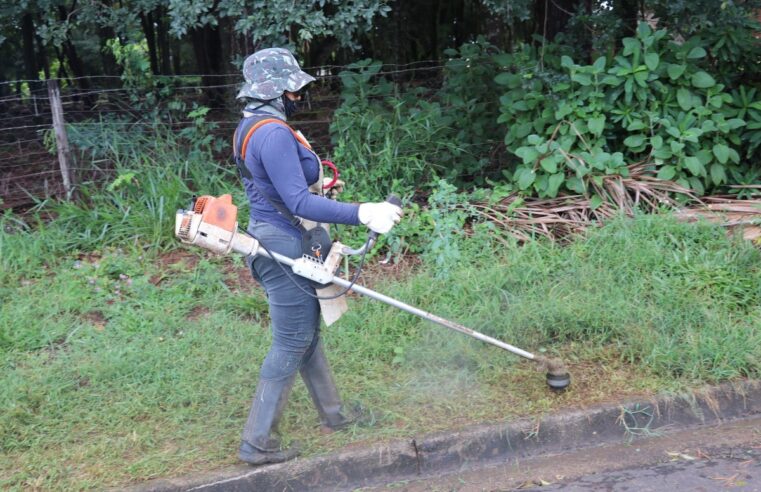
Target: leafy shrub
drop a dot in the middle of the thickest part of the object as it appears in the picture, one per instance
(728, 31)
(469, 95)
(152, 172)
(395, 139)
(654, 102)
(384, 142)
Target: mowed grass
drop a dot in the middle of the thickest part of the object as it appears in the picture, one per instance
(124, 365)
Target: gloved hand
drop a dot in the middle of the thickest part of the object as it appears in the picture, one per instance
(333, 191)
(380, 217)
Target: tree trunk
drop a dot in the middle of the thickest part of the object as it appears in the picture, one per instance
(61, 74)
(30, 58)
(176, 66)
(206, 47)
(628, 12)
(42, 57)
(163, 42)
(75, 62)
(107, 59)
(551, 16)
(146, 20)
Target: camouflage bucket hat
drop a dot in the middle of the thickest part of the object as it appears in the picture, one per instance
(270, 72)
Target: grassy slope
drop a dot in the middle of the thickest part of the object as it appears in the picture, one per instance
(124, 366)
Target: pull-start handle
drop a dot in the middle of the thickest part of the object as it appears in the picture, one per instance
(336, 174)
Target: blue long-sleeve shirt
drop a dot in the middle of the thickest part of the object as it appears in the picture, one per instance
(283, 170)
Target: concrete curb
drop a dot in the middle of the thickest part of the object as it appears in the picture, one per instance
(452, 451)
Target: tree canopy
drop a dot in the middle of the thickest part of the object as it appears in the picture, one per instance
(70, 39)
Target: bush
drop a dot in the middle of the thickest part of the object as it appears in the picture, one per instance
(655, 103)
(390, 138)
(152, 172)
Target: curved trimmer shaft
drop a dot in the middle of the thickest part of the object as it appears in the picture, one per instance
(557, 376)
(410, 309)
(212, 225)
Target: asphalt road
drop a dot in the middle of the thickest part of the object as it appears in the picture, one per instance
(711, 458)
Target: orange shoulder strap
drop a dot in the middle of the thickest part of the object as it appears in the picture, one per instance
(261, 123)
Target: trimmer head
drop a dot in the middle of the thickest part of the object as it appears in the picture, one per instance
(558, 382)
(558, 378)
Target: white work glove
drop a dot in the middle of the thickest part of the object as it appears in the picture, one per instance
(380, 217)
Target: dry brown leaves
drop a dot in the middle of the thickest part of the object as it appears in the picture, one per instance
(565, 216)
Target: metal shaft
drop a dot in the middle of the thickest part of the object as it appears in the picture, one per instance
(412, 310)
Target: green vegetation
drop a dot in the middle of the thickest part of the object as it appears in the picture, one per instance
(126, 363)
(126, 357)
(655, 105)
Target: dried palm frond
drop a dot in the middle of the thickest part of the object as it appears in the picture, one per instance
(568, 215)
(730, 212)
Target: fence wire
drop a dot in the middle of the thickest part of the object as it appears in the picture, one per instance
(29, 169)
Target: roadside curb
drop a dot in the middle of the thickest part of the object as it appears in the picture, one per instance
(441, 453)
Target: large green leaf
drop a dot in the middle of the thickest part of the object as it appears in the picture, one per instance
(721, 152)
(554, 184)
(734, 156)
(526, 178)
(652, 60)
(549, 164)
(582, 78)
(695, 166)
(511, 80)
(599, 64)
(702, 80)
(718, 175)
(684, 98)
(667, 172)
(528, 154)
(696, 53)
(575, 184)
(635, 140)
(534, 139)
(596, 124)
(675, 71)
(631, 46)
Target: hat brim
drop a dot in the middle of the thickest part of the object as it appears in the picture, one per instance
(298, 81)
(268, 90)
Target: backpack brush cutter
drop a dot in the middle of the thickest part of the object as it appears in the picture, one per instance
(211, 223)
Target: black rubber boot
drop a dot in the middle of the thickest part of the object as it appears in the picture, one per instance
(258, 445)
(318, 379)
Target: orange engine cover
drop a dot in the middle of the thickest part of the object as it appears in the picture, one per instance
(219, 212)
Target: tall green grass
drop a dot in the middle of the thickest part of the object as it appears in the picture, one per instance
(126, 365)
(124, 359)
(150, 175)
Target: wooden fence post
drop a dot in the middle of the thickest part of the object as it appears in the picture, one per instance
(62, 140)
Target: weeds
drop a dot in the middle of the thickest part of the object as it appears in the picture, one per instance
(152, 175)
(122, 362)
(123, 365)
(637, 421)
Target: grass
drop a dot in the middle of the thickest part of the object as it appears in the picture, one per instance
(124, 358)
(125, 365)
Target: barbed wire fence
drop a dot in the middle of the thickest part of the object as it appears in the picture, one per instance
(36, 162)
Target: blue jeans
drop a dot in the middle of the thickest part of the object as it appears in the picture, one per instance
(294, 315)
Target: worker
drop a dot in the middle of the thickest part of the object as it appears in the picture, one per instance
(278, 168)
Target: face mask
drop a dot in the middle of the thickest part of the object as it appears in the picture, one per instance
(290, 106)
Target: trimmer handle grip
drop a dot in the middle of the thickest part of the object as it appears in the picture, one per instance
(393, 199)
